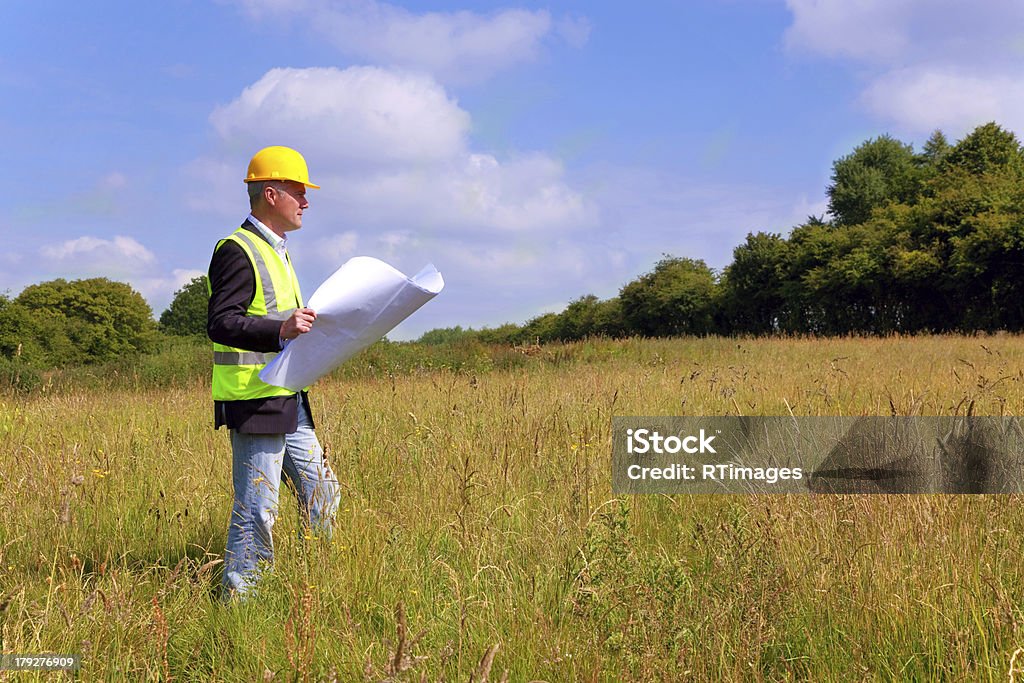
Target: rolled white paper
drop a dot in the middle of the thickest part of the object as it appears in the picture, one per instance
(355, 307)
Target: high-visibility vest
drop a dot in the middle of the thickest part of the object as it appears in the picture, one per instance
(236, 371)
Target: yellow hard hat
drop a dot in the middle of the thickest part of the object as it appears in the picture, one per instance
(279, 163)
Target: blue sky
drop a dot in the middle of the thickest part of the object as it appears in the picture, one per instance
(533, 152)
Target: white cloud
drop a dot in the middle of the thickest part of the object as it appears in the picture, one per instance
(866, 29)
(158, 290)
(336, 248)
(459, 46)
(121, 254)
(574, 30)
(365, 115)
(902, 32)
(526, 193)
(120, 258)
(391, 151)
(927, 98)
(182, 276)
(927, 63)
(395, 242)
(473, 194)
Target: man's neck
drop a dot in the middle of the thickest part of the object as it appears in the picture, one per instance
(265, 220)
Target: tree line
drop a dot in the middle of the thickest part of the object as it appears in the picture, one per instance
(929, 241)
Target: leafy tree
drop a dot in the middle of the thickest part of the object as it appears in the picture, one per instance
(86, 320)
(608, 319)
(753, 293)
(987, 265)
(852, 284)
(509, 333)
(935, 149)
(543, 328)
(929, 161)
(878, 171)
(589, 316)
(446, 335)
(577, 320)
(987, 148)
(810, 246)
(675, 298)
(17, 369)
(35, 338)
(186, 316)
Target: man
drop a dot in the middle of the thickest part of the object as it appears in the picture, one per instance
(255, 307)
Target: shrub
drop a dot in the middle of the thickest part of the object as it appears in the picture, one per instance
(186, 316)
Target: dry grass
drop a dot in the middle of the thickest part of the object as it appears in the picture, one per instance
(480, 504)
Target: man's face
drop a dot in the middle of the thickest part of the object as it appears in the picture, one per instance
(286, 203)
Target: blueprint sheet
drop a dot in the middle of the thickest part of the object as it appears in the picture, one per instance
(355, 307)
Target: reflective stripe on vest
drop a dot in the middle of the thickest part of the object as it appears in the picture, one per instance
(269, 293)
(242, 357)
(235, 370)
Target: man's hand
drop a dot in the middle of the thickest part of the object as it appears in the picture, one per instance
(300, 322)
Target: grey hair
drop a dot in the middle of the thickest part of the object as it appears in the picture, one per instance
(256, 188)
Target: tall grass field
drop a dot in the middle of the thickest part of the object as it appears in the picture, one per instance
(478, 537)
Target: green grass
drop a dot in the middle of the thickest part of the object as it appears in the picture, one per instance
(476, 495)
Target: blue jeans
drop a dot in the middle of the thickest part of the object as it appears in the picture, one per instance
(258, 461)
